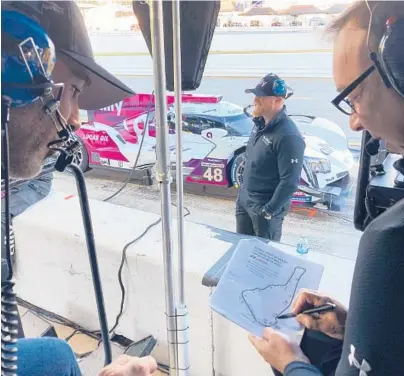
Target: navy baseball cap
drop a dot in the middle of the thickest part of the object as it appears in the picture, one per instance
(271, 86)
(64, 24)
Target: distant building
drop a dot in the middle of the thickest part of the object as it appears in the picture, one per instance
(227, 6)
(337, 8)
(259, 11)
(298, 10)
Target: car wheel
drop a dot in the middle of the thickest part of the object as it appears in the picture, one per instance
(237, 169)
(335, 206)
(81, 156)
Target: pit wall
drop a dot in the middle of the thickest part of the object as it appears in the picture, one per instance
(53, 272)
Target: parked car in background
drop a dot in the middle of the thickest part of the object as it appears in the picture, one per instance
(296, 23)
(317, 21)
(215, 134)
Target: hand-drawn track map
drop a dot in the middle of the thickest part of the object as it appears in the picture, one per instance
(260, 283)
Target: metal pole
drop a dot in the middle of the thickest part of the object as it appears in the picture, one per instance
(182, 310)
(163, 176)
(178, 127)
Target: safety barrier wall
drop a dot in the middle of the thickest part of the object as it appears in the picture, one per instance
(53, 272)
(287, 65)
(253, 53)
(224, 40)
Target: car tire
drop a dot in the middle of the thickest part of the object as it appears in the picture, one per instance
(81, 157)
(335, 206)
(236, 170)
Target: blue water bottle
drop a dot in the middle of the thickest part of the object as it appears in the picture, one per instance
(302, 246)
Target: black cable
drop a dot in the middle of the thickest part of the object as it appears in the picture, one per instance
(57, 319)
(123, 258)
(9, 309)
(163, 368)
(5, 170)
(124, 251)
(148, 228)
(146, 128)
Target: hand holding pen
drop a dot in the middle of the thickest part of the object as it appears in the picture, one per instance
(320, 312)
(315, 311)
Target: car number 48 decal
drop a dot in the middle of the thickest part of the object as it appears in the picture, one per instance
(213, 174)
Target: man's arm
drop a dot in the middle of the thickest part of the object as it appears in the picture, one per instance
(290, 154)
(374, 332)
(301, 369)
(283, 354)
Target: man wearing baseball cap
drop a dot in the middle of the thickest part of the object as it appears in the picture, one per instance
(64, 23)
(273, 162)
(86, 85)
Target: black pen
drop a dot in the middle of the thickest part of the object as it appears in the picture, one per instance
(323, 308)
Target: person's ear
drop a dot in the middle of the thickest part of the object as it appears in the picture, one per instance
(279, 102)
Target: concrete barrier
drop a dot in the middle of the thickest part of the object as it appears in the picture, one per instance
(293, 64)
(53, 272)
(234, 53)
(276, 39)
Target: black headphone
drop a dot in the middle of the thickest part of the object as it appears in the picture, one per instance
(389, 60)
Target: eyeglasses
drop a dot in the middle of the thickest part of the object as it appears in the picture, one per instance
(342, 102)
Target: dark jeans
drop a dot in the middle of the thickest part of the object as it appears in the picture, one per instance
(249, 223)
(46, 357)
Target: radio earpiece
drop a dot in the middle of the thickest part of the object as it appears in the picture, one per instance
(279, 88)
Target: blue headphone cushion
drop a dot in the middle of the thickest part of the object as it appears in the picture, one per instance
(18, 28)
(279, 88)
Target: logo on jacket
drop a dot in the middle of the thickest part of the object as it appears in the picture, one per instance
(364, 368)
(266, 140)
(294, 161)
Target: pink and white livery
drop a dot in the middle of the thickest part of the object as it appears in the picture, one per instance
(215, 133)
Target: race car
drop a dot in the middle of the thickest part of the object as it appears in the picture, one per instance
(215, 134)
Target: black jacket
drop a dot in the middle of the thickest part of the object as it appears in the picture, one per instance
(274, 160)
(374, 330)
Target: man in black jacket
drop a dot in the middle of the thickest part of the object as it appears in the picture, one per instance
(369, 74)
(273, 163)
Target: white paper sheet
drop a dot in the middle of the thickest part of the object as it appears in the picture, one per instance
(260, 283)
